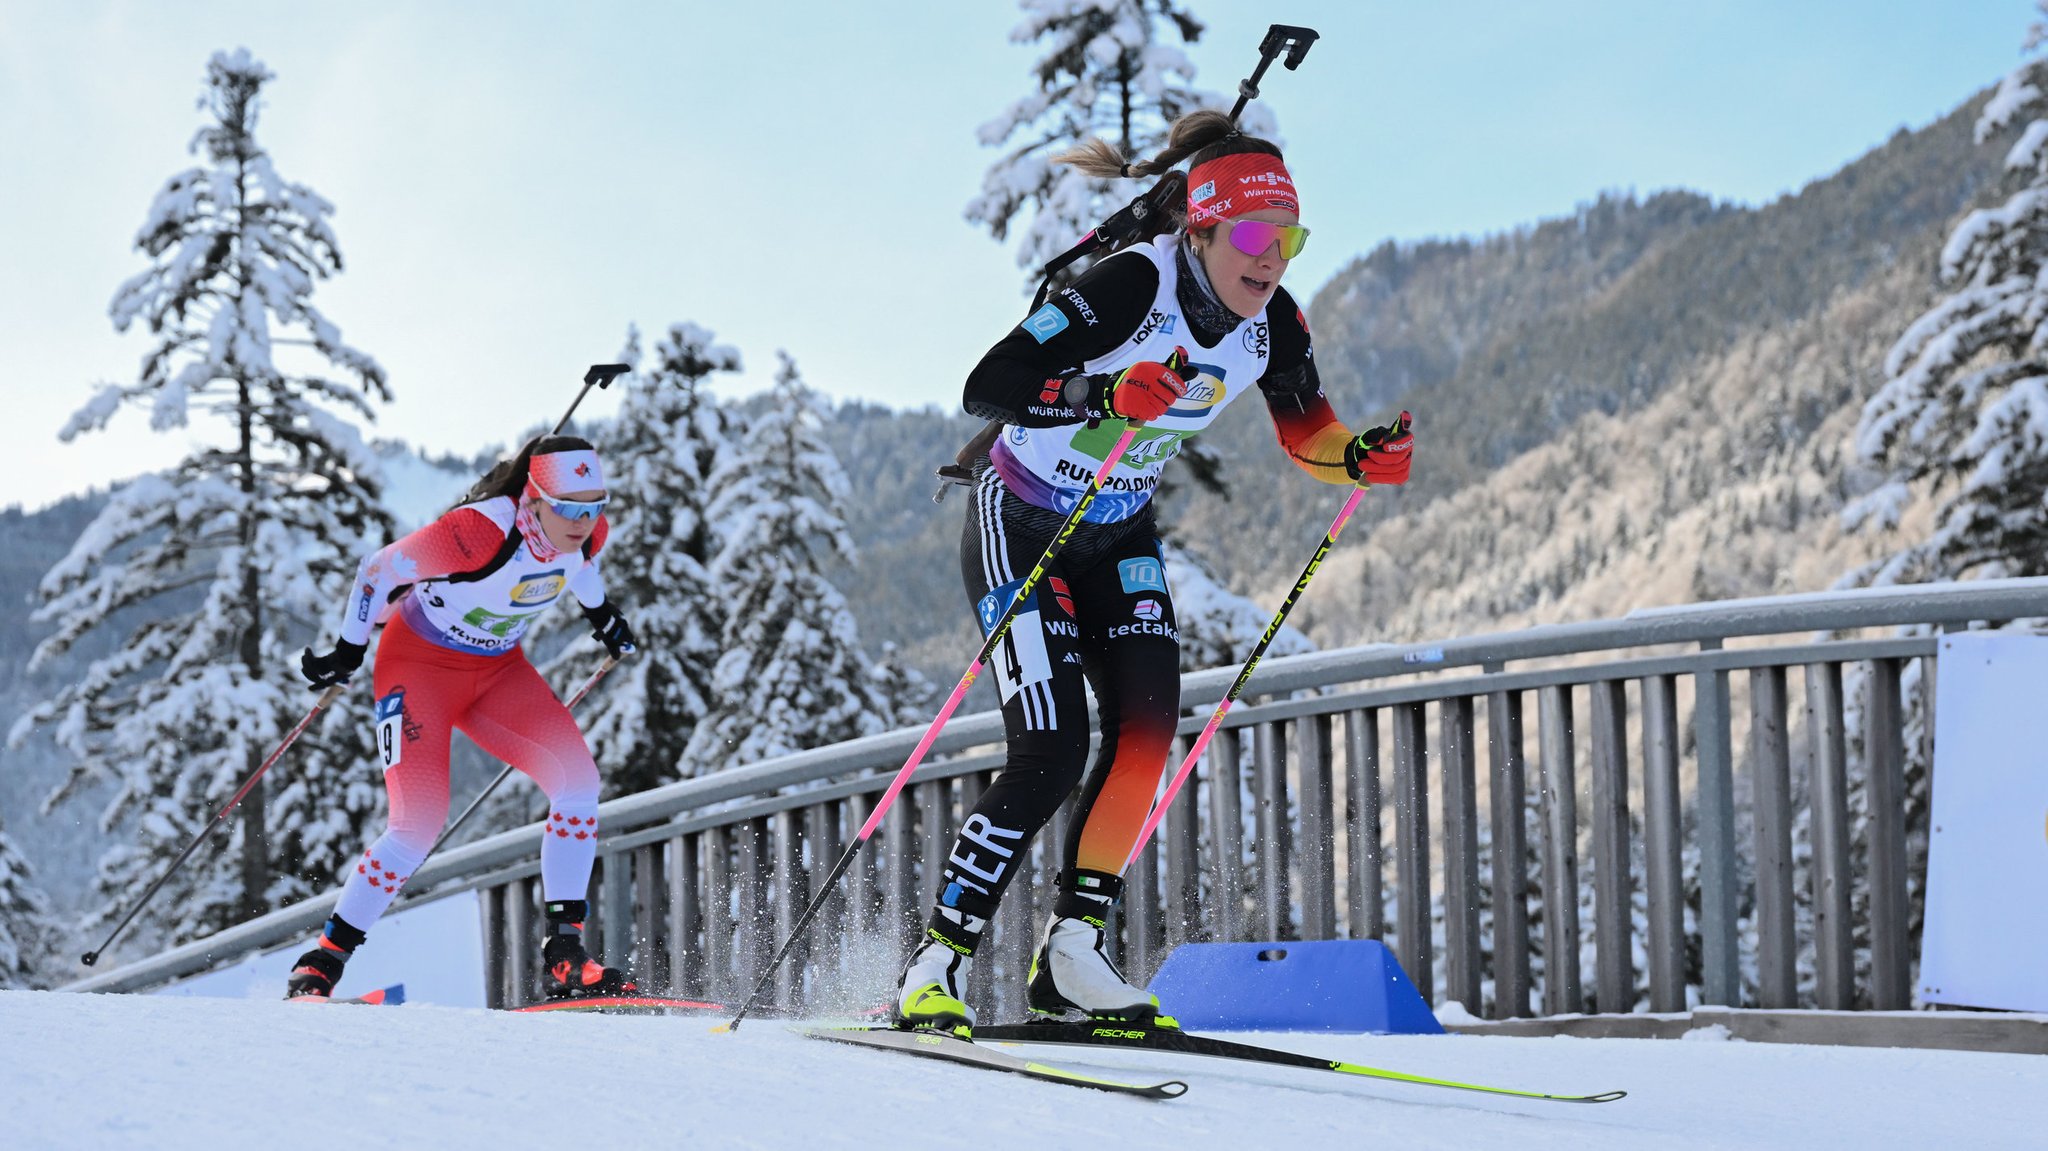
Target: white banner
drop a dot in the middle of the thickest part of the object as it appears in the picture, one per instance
(1986, 938)
(435, 949)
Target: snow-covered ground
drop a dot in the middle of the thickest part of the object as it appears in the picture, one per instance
(85, 1071)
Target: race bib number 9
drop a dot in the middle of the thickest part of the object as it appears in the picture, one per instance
(1021, 658)
(391, 728)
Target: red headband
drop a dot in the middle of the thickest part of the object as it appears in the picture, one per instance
(1230, 186)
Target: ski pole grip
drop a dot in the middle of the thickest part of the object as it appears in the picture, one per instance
(602, 375)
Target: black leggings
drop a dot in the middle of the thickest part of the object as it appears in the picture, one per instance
(1103, 611)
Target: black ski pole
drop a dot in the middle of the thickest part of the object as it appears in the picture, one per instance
(1289, 38)
(599, 376)
(326, 697)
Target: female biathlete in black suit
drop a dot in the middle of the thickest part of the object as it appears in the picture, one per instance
(1207, 301)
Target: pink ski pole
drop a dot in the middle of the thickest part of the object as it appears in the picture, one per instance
(1245, 674)
(988, 646)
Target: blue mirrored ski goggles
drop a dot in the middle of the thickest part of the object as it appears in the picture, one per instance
(571, 509)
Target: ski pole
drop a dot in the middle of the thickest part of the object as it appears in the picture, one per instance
(599, 376)
(931, 733)
(610, 662)
(1289, 38)
(326, 697)
(1244, 674)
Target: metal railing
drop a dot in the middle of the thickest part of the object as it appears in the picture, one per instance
(1629, 752)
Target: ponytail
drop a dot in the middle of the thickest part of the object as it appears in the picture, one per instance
(1203, 135)
(508, 476)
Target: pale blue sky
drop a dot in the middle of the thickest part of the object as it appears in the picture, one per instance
(517, 181)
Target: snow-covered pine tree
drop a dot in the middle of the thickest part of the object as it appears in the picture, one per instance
(668, 439)
(793, 674)
(29, 934)
(1962, 417)
(1964, 408)
(1107, 68)
(226, 564)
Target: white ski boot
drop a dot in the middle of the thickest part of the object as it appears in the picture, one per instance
(1072, 971)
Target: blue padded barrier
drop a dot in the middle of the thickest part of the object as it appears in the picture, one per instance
(1325, 985)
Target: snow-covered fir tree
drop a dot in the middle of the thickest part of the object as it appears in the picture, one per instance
(236, 556)
(29, 934)
(1962, 416)
(1107, 68)
(1964, 410)
(793, 674)
(662, 449)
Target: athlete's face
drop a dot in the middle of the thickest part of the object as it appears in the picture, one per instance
(1244, 283)
(564, 533)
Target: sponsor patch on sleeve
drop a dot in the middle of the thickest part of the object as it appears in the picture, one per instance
(1045, 323)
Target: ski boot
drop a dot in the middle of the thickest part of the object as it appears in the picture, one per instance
(1072, 974)
(568, 971)
(933, 994)
(318, 970)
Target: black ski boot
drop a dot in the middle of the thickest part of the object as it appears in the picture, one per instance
(568, 971)
(318, 970)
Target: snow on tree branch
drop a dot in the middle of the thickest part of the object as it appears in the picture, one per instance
(230, 556)
(1963, 411)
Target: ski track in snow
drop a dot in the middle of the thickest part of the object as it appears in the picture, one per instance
(114, 1071)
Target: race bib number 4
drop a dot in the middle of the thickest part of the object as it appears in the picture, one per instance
(1021, 658)
(391, 728)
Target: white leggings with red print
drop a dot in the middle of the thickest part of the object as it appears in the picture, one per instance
(424, 692)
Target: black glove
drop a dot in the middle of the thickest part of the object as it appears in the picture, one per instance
(610, 628)
(324, 671)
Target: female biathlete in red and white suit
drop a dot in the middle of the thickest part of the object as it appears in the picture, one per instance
(1169, 333)
(458, 595)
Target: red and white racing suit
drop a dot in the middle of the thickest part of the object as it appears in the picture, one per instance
(450, 658)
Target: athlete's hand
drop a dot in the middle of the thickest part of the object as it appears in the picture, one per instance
(1381, 455)
(324, 671)
(1146, 390)
(610, 628)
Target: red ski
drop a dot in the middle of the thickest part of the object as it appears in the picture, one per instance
(390, 996)
(623, 1005)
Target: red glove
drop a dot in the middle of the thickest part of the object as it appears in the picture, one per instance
(1144, 391)
(1381, 455)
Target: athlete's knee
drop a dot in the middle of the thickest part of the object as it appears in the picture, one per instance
(573, 783)
(572, 799)
(415, 826)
